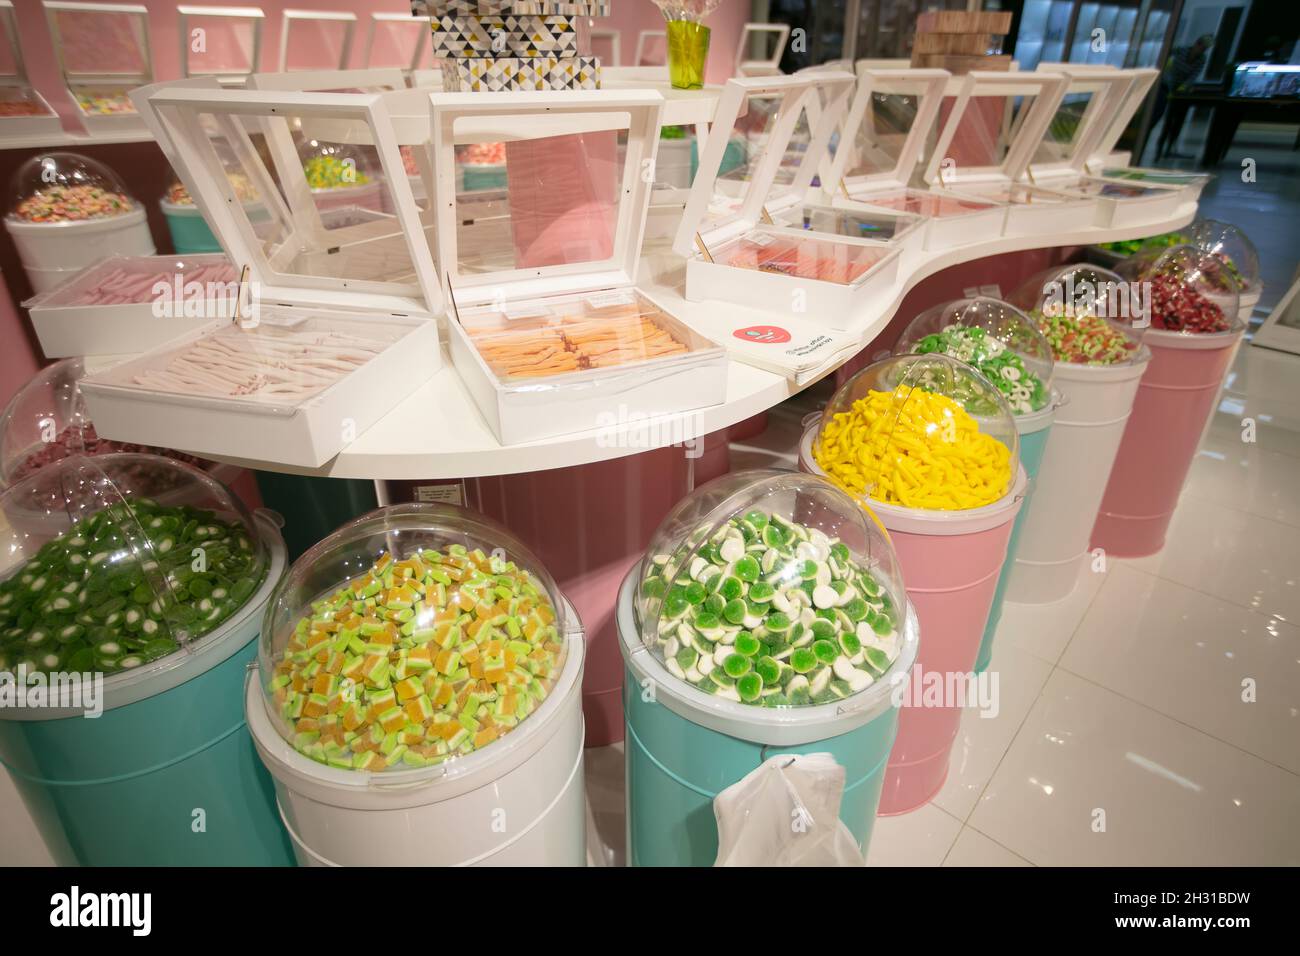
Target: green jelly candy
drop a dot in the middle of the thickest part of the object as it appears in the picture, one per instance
(695, 593)
(750, 688)
(877, 659)
(823, 630)
(768, 669)
(850, 644)
(731, 588)
(707, 621)
(653, 587)
(757, 519)
(736, 665)
(686, 658)
(761, 591)
(747, 644)
(856, 609)
(714, 603)
(825, 651)
(803, 660)
(774, 537)
(675, 604)
(747, 569)
(735, 610)
(777, 622)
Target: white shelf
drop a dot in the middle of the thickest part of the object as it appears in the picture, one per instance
(64, 138)
(451, 440)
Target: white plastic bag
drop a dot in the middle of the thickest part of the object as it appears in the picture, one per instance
(786, 813)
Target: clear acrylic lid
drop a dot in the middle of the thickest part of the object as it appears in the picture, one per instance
(898, 432)
(995, 337)
(101, 42)
(1191, 291)
(1089, 100)
(335, 221)
(410, 636)
(12, 69)
(222, 41)
(1232, 246)
(1089, 315)
(114, 563)
(66, 187)
(315, 39)
(773, 589)
(47, 421)
(396, 40)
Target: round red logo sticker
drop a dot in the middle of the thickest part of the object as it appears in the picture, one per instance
(766, 334)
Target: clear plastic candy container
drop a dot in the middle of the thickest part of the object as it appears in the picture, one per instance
(1232, 247)
(995, 337)
(329, 166)
(1089, 315)
(117, 563)
(47, 421)
(898, 432)
(413, 635)
(66, 187)
(1191, 291)
(772, 589)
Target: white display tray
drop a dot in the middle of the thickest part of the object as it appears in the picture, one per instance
(1116, 212)
(543, 407)
(40, 124)
(836, 304)
(1029, 218)
(66, 327)
(304, 434)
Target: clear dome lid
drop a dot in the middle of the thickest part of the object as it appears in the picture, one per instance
(898, 432)
(117, 563)
(47, 421)
(1191, 291)
(995, 337)
(1232, 246)
(337, 165)
(413, 635)
(1089, 315)
(66, 187)
(774, 589)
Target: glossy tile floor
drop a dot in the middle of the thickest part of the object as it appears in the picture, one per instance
(1123, 737)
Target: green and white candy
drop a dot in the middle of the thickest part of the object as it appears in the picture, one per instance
(771, 613)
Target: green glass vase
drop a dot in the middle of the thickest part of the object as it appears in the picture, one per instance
(688, 48)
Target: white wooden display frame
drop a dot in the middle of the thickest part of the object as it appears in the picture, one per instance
(755, 215)
(573, 401)
(15, 85)
(289, 17)
(232, 77)
(641, 39)
(309, 433)
(1279, 335)
(771, 65)
(1034, 209)
(107, 123)
(1109, 89)
(423, 29)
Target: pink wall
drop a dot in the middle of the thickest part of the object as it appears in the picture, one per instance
(629, 16)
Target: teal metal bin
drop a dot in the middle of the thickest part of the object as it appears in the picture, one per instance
(1034, 431)
(684, 747)
(167, 775)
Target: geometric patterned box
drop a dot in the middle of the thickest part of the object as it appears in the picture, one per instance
(514, 36)
(494, 74)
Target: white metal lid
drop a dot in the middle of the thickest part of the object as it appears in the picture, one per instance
(93, 30)
(517, 117)
(798, 94)
(926, 85)
(1022, 131)
(295, 254)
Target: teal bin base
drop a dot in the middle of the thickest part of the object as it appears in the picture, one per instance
(675, 768)
(1032, 446)
(191, 234)
(171, 780)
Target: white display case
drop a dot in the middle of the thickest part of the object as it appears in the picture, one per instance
(126, 304)
(760, 49)
(224, 42)
(397, 40)
(103, 52)
(1084, 117)
(23, 111)
(336, 319)
(990, 136)
(546, 327)
(1103, 152)
(887, 134)
(315, 39)
(744, 233)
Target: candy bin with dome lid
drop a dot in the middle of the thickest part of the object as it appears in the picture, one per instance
(1237, 253)
(1006, 346)
(767, 617)
(1092, 320)
(190, 232)
(1195, 332)
(418, 697)
(67, 211)
(341, 175)
(131, 593)
(947, 484)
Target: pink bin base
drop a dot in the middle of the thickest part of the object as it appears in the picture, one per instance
(1174, 401)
